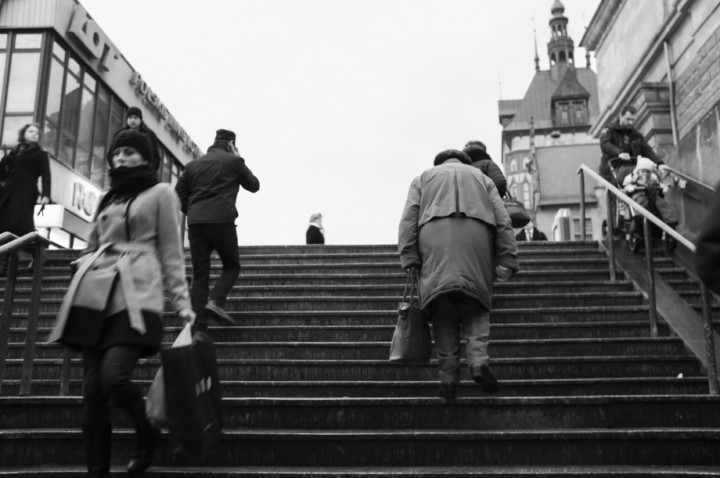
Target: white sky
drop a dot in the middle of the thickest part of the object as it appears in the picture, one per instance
(337, 104)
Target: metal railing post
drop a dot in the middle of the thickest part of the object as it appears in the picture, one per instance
(610, 235)
(8, 298)
(33, 312)
(582, 205)
(65, 373)
(713, 387)
(651, 278)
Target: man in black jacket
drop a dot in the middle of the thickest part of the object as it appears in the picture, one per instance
(208, 189)
(622, 140)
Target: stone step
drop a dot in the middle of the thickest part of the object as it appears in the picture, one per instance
(379, 350)
(419, 388)
(475, 413)
(384, 333)
(519, 368)
(372, 290)
(318, 303)
(637, 313)
(419, 447)
(650, 471)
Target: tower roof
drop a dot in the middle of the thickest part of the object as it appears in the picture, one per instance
(557, 8)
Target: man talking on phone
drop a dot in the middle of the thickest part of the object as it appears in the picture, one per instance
(208, 190)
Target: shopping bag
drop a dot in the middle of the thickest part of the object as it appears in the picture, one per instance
(411, 341)
(155, 406)
(518, 214)
(192, 397)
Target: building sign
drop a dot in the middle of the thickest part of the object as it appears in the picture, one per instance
(148, 96)
(76, 193)
(85, 32)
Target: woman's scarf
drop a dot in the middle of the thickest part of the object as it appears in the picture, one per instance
(126, 183)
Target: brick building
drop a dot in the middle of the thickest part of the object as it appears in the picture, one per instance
(663, 57)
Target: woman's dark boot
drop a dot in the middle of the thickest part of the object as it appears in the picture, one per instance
(96, 435)
(147, 440)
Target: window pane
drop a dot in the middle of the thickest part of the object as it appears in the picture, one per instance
(87, 113)
(3, 57)
(54, 97)
(90, 82)
(49, 138)
(11, 127)
(22, 87)
(59, 51)
(28, 41)
(74, 66)
(70, 117)
(102, 119)
(3, 41)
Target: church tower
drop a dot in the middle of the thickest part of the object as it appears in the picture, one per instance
(561, 48)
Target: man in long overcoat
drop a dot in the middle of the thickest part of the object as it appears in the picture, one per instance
(456, 231)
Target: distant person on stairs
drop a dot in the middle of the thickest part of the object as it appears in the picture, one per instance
(456, 231)
(208, 190)
(315, 233)
(530, 233)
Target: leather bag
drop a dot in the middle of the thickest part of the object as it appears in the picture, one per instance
(411, 341)
(518, 214)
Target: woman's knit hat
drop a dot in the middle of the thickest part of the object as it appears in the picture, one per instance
(136, 140)
(644, 163)
(476, 153)
(452, 154)
(134, 111)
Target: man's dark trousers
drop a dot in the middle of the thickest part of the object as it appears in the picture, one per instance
(204, 239)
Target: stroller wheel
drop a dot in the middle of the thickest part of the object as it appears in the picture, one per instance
(604, 230)
(634, 240)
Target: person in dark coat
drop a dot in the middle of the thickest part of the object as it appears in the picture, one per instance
(208, 190)
(315, 233)
(19, 173)
(621, 140)
(482, 160)
(136, 238)
(707, 254)
(456, 231)
(134, 121)
(530, 233)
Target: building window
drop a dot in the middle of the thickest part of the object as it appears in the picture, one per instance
(570, 113)
(577, 232)
(526, 195)
(20, 60)
(513, 165)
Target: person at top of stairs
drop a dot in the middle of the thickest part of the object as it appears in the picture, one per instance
(456, 231)
(208, 190)
(136, 242)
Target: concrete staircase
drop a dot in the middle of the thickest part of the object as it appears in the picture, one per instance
(309, 391)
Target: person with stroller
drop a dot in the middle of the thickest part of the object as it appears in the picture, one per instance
(620, 144)
(644, 187)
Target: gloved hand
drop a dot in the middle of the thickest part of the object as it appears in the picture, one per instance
(503, 273)
(187, 315)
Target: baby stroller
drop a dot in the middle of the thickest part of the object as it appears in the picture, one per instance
(628, 224)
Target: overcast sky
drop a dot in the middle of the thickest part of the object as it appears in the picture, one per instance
(337, 104)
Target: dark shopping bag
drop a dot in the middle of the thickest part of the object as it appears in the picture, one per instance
(411, 341)
(193, 399)
(155, 403)
(518, 214)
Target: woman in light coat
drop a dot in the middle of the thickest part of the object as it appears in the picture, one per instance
(456, 231)
(113, 308)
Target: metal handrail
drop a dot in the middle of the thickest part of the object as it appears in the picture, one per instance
(648, 218)
(687, 177)
(12, 247)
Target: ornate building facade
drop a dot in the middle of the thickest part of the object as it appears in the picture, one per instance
(546, 137)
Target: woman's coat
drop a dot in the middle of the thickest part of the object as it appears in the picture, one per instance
(20, 172)
(445, 204)
(152, 251)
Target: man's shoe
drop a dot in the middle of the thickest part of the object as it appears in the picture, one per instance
(482, 375)
(218, 314)
(448, 390)
(144, 452)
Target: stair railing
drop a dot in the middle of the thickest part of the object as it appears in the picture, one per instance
(648, 218)
(681, 179)
(11, 244)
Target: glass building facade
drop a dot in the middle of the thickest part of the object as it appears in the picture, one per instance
(52, 76)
